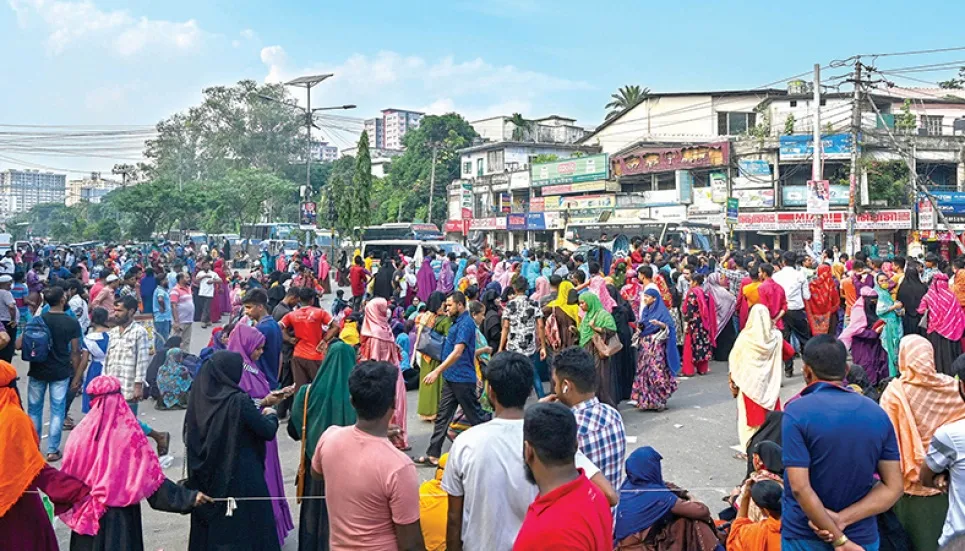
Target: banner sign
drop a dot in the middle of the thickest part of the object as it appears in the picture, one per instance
(718, 187)
(684, 186)
(834, 221)
(800, 148)
(537, 204)
(754, 198)
(581, 187)
(758, 168)
(535, 221)
(488, 223)
(516, 222)
(819, 196)
(796, 196)
(568, 171)
(582, 202)
(308, 216)
(733, 207)
(646, 160)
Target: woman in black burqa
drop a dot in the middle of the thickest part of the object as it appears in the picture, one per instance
(225, 435)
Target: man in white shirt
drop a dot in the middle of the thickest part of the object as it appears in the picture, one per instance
(485, 475)
(7, 265)
(206, 281)
(78, 304)
(795, 285)
(944, 468)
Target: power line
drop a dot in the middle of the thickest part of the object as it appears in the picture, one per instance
(916, 52)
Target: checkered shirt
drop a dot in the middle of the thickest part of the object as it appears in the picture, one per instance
(128, 355)
(602, 437)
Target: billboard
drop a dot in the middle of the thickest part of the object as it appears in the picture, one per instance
(568, 171)
(800, 148)
(646, 160)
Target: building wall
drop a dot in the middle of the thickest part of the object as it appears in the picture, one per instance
(20, 190)
(512, 158)
(376, 132)
(396, 123)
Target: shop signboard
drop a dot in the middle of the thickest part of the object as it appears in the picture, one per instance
(535, 221)
(950, 202)
(800, 148)
(684, 181)
(754, 198)
(580, 187)
(568, 171)
(497, 223)
(516, 222)
(537, 204)
(718, 187)
(669, 214)
(453, 226)
(733, 208)
(467, 199)
(554, 220)
(647, 160)
(631, 214)
(897, 219)
(661, 198)
(796, 196)
(754, 168)
(581, 202)
(703, 202)
(819, 197)
(926, 215)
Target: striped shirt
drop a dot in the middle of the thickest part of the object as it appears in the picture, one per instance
(128, 356)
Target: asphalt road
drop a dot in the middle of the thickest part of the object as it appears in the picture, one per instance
(696, 436)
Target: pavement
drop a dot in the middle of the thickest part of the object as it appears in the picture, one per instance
(696, 435)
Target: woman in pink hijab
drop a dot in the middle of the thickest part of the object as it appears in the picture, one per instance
(324, 270)
(542, 289)
(109, 452)
(250, 343)
(377, 343)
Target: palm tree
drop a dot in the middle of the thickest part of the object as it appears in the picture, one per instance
(625, 98)
(522, 125)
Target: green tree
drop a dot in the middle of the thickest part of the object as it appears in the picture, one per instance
(362, 185)
(954, 82)
(149, 206)
(263, 193)
(626, 97)
(906, 121)
(545, 158)
(522, 128)
(888, 182)
(789, 124)
(340, 186)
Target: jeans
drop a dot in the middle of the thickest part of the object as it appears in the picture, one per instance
(816, 545)
(162, 330)
(537, 383)
(144, 426)
(796, 324)
(453, 395)
(36, 389)
(205, 304)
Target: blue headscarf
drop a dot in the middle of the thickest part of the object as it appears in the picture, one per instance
(531, 271)
(639, 510)
(460, 269)
(658, 312)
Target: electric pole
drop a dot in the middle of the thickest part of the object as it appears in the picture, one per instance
(432, 182)
(853, 179)
(817, 152)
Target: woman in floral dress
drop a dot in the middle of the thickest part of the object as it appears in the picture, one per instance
(700, 320)
(658, 359)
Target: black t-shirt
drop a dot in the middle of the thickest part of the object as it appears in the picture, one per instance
(63, 329)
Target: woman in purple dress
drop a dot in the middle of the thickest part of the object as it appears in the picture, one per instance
(250, 343)
(863, 336)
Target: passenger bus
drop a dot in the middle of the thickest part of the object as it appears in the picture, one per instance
(256, 233)
(692, 236)
(402, 231)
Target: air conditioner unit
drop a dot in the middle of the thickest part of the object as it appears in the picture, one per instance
(958, 126)
(922, 131)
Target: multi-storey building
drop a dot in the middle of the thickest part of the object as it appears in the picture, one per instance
(387, 131)
(20, 190)
(322, 151)
(89, 190)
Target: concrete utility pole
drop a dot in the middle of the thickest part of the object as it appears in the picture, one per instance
(432, 182)
(853, 180)
(817, 152)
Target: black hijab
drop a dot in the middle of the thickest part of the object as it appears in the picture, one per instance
(492, 322)
(911, 290)
(771, 455)
(770, 431)
(383, 280)
(212, 424)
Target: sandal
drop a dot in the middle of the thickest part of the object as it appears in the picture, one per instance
(68, 423)
(54, 457)
(162, 449)
(741, 456)
(426, 461)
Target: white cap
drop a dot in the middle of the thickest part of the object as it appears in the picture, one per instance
(111, 278)
(6, 278)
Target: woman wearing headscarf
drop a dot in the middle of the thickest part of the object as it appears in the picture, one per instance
(483, 273)
(531, 271)
(502, 274)
(433, 319)
(887, 311)
(658, 360)
(108, 451)
(700, 327)
(95, 349)
(225, 437)
(632, 290)
(597, 321)
(918, 402)
(725, 306)
(623, 363)
(322, 404)
(250, 344)
(446, 281)
(756, 364)
(862, 336)
(433, 509)
(618, 272)
(565, 310)
(822, 307)
(910, 292)
(324, 273)
(597, 286)
(492, 325)
(378, 344)
(770, 431)
(946, 322)
(768, 461)
(542, 291)
(650, 509)
(173, 381)
(426, 280)
(24, 523)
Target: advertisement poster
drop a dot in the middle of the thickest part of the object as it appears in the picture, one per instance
(718, 187)
(819, 197)
(568, 171)
(754, 198)
(308, 217)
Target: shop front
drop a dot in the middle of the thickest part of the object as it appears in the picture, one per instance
(790, 230)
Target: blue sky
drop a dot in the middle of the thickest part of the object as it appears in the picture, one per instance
(106, 62)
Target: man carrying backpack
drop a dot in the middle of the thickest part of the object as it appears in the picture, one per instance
(51, 343)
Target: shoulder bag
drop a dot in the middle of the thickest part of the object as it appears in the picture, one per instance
(430, 343)
(609, 347)
(302, 467)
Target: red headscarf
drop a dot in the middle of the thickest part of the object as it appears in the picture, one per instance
(824, 292)
(20, 459)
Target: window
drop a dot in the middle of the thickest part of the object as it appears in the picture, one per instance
(793, 103)
(823, 102)
(479, 166)
(494, 159)
(467, 167)
(932, 124)
(734, 124)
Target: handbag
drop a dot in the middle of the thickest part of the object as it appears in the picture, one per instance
(430, 343)
(923, 323)
(552, 328)
(609, 347)
(301, 462)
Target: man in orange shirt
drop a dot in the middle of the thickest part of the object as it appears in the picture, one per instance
(746, 535)
(309, 329)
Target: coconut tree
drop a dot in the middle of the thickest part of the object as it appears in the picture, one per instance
(625, 98)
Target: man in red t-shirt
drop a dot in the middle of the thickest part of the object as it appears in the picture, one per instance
(309, 329)
(570, 512)
(358, 276)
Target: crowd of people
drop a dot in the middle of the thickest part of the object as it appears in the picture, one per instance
(478, 337)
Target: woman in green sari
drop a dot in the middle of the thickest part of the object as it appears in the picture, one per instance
(433, 319)
(887, 311)
(322, 404)
(597, 321)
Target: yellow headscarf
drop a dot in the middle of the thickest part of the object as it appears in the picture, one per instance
(434, 508)
(571, 310)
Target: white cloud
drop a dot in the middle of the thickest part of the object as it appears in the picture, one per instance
(474, 88)
(248, 34)
(70, 22)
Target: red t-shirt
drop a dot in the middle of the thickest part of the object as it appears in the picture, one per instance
(356, 276)
(575, 516)
(309, 325)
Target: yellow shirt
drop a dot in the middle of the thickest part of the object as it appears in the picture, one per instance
(350, 333)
